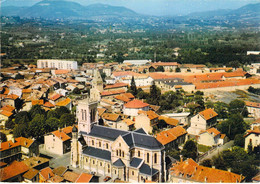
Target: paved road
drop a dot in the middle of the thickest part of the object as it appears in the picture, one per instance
(219, 150)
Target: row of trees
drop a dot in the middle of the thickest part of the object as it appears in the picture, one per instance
(170, 100)
(38, 122)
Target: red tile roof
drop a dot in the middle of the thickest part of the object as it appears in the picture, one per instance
(212, 131)
(170, 121)
(46, 172)
(55, 97)
(129, 122)
(14, 169)
(6, 113)
(84, 178)
(136, 104)
(71, 176)
(150, 114)
(256, 131)
(192, 171)
(12, 96)
(37, 102)
(31, 174)
(165, 64)
(252, 104)
(110, 116)
(48, 104)
(116, 85)
(122, 97)
(208, 114)
(8, 108)
(110, 93)
(170, 135)
(63, 102)
(59, 72)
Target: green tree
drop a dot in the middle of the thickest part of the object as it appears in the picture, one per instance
(222, 109)
(10, 124)
(133, 88)
(37, 127)
(238, 106)
(67, 119)
(52, 114)
(234, 125)
(155, 95)
(3, 137)
(239, 140)
(36, 109)
(207, 163)
(52, 124)
(20, 130)
(62, 110)
(22, 117)
(190, 150)
(177, 70)
(160, 69)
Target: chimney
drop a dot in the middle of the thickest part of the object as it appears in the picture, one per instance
(181, 157)
(213, 167)
(229, 169)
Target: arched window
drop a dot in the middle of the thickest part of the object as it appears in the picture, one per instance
(93, 161)
(133, 173)
(155, 158)
(116, 152)
(106, 145)
(86, 159)
(123, 154)
(93, 143)
(99, 144)
(101, 164)
(147, 157)
(120, 153)
(139, 153)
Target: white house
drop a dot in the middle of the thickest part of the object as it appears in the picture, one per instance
(131, 108)
(59, 64)
(253, 109)
(211, 137)
(202, 121)
(142, 80)
(252, 137)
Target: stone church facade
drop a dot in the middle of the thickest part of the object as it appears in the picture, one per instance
(131, 156)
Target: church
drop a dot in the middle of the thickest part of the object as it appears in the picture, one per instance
(132, 156)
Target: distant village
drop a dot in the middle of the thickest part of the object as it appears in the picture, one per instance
(98, 125)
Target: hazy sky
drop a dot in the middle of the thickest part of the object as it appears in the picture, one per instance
(159, 7)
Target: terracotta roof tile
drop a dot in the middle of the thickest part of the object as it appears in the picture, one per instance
(8, 108)
(110, 116)
(12, 96)
(37, 102)
(110, 93)
(191, 170)
(252, 104)
(122, 97)
(55, 97)
(101, 111)
(151, 114)
(136, 104)
(116, 85)
(84, 178)
(63, 102)
(208, 114)
(46, 172)
(14, 169)
(31, 174)
(170, 121)
(71, 176)
(60, 170)
(48, 104)
(170, 135)
(129, 122)
(59, 72)
(6, 113)
(24, 141)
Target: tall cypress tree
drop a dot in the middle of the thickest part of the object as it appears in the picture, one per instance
(133, 87)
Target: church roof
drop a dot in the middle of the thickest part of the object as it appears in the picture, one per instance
(98, 153)
(146, 169)
(135, 162)
(119, 163)
(133, 139)
(105, 132)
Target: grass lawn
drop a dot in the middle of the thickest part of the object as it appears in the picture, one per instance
(203, 148)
